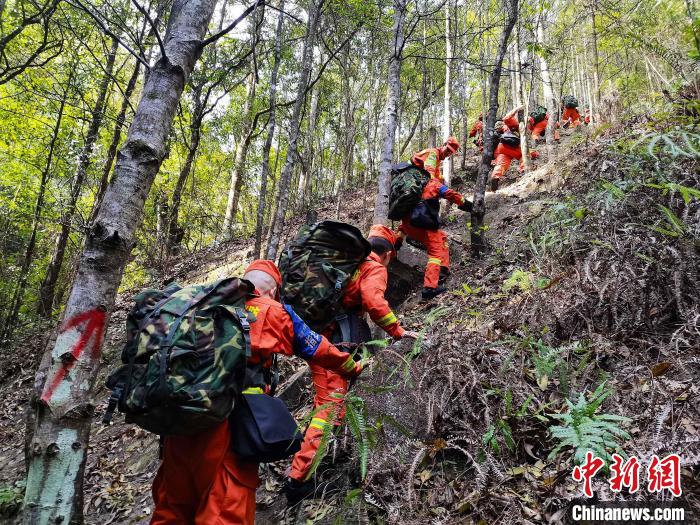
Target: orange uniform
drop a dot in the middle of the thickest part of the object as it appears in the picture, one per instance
(538, 128)
(435, 241)
(503, 156)
(571, 116)
(201, 481)
(363, 294)
(477, 132)
(476, 129)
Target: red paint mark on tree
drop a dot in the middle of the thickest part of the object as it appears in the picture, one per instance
(91, 335)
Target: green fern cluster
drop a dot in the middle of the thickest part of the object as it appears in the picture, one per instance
(583, 429)
(356, 415)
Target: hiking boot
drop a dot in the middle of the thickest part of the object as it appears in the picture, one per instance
(494, 184)
(444, 274)
(297, 491)
(430, 293)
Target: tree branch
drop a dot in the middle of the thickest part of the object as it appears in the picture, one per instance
(233, 24)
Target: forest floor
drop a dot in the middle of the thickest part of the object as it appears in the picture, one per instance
(575, 291)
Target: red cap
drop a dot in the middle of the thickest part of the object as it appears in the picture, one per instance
(269, 267)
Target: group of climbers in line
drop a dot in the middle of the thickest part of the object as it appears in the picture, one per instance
(507, 136)
(202, 478)
(199, 361)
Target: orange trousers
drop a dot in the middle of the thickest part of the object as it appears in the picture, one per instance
(503, 161)
(438, 251)
(329, 390)
(201, 482)
(539, 129)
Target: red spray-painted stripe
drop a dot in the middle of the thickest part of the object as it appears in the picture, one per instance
(93, 321)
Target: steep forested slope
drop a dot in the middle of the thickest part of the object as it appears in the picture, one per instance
(588, 286)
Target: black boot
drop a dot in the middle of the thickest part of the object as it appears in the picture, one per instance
(429, 293)
(494, 184)
(444, 274)
(297, 491)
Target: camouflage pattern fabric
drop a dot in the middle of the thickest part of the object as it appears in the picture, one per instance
(407, 183)
(539, 114)
(570, 101)
(316, 266)
(185, 357)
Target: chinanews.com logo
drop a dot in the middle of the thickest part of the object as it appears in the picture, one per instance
(660, 477)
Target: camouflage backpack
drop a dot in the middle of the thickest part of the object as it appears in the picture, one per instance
(407, 183)
(539, 114)
(316, 266)
(184, 360)
(570, 101)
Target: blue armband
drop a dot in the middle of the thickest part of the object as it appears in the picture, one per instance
(306, 341)
(443, 190)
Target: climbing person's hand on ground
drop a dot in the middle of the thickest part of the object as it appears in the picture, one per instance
(408, 334)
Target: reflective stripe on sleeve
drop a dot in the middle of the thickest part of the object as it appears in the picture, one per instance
(318, 422)
(349, 365)
(387, 319)
(434, 260)
(253, 390)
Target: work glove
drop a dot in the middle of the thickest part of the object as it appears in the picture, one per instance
(466, 206)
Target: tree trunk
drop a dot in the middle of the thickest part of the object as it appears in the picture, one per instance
(446, 120)
(596, 65)
(477, 217)
(174, 234)
(265, 175)
(48, 285)
(307, 167)
(62, 407)
(242, 146)
(116, 138)
(381, 206)
(548, 93)
(13, 311)
(520, 99)
(294, 128)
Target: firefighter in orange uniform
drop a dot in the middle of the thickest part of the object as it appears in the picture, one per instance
(363, 294)
(423, 223)
(538, 128)
(200, 480)
(571, 117)
(477, 133)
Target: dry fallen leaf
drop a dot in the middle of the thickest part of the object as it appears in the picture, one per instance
(660, 369)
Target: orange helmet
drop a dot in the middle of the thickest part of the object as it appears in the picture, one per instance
(379, 231)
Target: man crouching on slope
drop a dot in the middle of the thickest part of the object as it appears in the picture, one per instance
(363, 294)
(201, 481)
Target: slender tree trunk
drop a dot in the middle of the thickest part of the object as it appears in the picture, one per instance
(116, 138)
(13, 311)
(48, 285)
(294, 128)
(173, 235)
(381, 206)
(548, 92)
(477, 217)
(62, 407)
(307, 168)
(596, 64)
(242, 146)
(447, 105)
(265, 172)
(520, 99)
